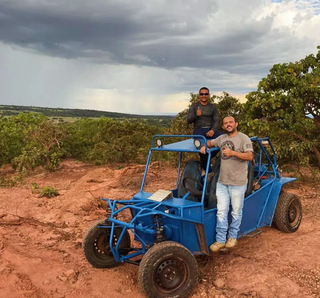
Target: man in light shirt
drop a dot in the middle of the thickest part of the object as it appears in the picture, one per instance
(236, 150)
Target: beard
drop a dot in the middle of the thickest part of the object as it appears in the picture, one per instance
(231, 131)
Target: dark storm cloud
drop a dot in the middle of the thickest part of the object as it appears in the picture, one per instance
(167, 34)
(114, 28)
(61, 33)
(199, 34)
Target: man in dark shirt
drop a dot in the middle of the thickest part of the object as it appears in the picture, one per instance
(205, 118)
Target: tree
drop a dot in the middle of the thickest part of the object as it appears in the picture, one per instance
(49, 136)
(286, 107)
(228, 106)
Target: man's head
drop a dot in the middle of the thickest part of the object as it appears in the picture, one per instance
(229, 124)
(204, 95)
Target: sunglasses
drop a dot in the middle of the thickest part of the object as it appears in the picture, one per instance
(203, 94)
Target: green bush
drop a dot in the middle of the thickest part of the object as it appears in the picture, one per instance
(13, 134)
(49, 192)
(5, 182)
(34, 187)
(29, 160)
(104, 140)
(54, 161)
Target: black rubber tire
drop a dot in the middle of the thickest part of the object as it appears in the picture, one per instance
(96, 245)
(250, 179)
(288, 214)
(168, 259)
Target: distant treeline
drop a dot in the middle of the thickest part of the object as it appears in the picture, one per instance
(11, 110)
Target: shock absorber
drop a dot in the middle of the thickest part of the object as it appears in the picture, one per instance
(109, 212)
(159, 228)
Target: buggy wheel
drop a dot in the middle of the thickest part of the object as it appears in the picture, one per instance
(168, 269)
(288, 214)
(96, 246)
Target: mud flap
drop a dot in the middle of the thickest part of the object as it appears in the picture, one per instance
(202, 238)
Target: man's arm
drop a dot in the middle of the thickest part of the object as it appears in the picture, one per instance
(248, 155)
(191, 115)
(215, 118)
(215, 122)
(210, 143)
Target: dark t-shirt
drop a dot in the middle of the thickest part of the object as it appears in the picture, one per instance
(209, 117)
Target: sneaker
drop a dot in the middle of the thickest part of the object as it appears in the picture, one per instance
(231, 243)
(216, 246)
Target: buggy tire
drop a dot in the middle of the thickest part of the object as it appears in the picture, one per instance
(250, 179)
(96, 246)
(168, 269)
(288, 214)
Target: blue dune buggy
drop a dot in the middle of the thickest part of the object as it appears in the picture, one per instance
(174, 226)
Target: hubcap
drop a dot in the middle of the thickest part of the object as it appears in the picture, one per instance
(170, 275)
(294, 214)
(101, 243)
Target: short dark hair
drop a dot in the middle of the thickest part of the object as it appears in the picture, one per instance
(205, 88)
(235, 120)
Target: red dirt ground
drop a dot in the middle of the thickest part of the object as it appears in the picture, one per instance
(41, 255)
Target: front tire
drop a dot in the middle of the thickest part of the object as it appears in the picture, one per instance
(288, 214)
(168, 269)
(96, 246)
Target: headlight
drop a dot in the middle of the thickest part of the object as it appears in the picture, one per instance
(197, 143)
(159, 143)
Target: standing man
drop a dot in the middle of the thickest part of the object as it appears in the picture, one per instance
(205, 117)
(236, 150)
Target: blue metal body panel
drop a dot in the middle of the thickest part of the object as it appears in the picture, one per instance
(189, 222)
(210, 217)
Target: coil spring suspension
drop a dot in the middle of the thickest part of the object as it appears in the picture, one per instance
(159, 227)
(109, 212)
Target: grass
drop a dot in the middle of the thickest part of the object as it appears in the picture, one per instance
(49, 192)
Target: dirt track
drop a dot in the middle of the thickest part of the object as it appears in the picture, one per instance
(41, 255)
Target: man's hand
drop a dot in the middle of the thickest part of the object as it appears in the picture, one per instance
(199, 112)
(210, 133)
(203, 150)
(227, 151)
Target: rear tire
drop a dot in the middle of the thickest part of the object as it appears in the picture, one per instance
(288, 214)
(168, 269)
(96, 246)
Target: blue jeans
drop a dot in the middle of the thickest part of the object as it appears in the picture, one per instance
(225, 194)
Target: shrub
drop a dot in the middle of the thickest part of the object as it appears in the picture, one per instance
(29, 160)
(34, 187)
(49, 192)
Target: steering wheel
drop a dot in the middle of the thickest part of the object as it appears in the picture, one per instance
(191, 188)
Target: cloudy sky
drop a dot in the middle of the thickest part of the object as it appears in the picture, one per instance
(145, 57)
